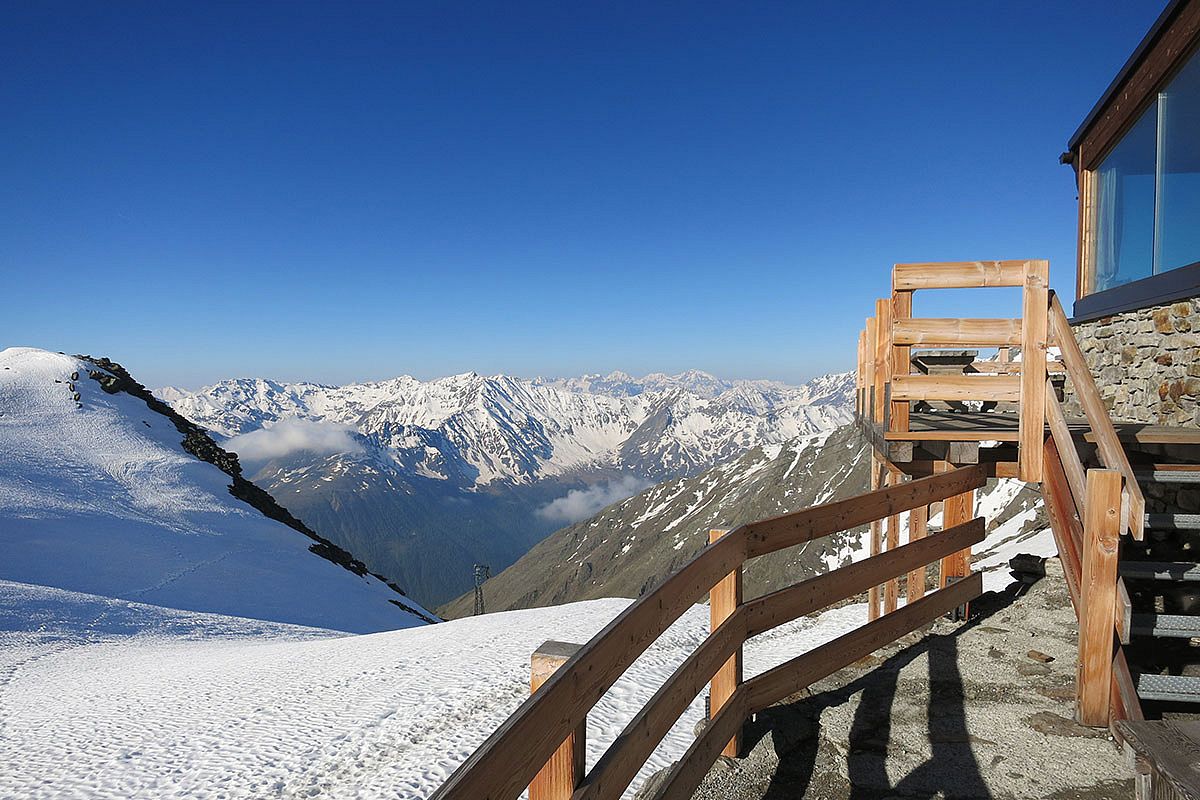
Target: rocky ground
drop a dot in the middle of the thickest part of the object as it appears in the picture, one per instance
(978, 710)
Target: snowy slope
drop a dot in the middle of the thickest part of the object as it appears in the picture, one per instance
(99, 496)
(109, 700)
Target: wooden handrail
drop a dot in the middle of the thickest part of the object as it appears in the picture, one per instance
(783, 606)
(506, 762)
(776, 533)
(508, 759)
(1108, 445)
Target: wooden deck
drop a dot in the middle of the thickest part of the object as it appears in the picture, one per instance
(976, 426)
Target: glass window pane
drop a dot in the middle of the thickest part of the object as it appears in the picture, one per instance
(1178, 227)
(1125, 207)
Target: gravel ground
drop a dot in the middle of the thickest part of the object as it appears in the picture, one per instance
(960, 711)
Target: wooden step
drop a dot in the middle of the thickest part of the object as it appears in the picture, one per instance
(1160, 570)
(1173, 522)
(1169, 688)
(1165, 626)
(1173, 473)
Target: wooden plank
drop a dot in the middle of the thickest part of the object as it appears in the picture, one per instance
(958, 274)
(723, 601)
(1139, 433)
(770, 535)
(883, 360)
(1108, 446)
(918, 529)
(792, 676)
(929, 332)
(860, 373)
(875, 534)
(506, 762)
(1000, 388)
(953, 436)
(557, 779)
(1126, 703)
(1101, 531)
(783, 606)
(1035, 305)
(699, 758)
(901, 359)
(955, 511)
(629, 751)
(1065, 446)
(1066, 527)
(992, 367)
(1171, 749)
(1123, 613)
(891, 589)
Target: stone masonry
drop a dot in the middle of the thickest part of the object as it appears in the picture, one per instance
(1146, 363)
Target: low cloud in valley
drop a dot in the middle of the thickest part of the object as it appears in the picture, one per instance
(580, 504)
(291, 435)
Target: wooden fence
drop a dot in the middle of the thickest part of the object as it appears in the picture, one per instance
(544, 737)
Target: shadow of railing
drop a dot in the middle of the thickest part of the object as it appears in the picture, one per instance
(951, 770)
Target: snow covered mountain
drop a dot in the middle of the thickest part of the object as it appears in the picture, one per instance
(422, 479)
(508, 429)
(632, 545)
(105, 490)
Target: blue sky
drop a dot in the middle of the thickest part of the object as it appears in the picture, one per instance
(358, 190)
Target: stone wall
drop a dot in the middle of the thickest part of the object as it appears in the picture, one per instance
(1146, 363)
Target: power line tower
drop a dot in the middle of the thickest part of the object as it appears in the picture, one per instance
(482, 573)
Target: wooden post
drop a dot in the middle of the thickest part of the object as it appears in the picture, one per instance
(1035, 310)
(901, 359)
(723, 600)
(562, 774)
(859, 374)
(869, 372)
(918, 528)
(955, 511)
(876, 536)
(891, 589)
(1098, 588)
(883, 361)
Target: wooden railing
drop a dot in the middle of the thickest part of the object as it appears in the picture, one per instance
(1089, 510)
(887, 385)
(534, 737)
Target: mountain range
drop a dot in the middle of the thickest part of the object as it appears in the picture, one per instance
(424, 479)
(629, 547)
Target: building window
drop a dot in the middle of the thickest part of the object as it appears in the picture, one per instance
(1148, 189)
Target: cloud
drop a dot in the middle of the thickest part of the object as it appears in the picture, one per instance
(291, 435)
(580, 504)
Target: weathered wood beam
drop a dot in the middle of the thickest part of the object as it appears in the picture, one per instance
(959, 274)
(783, 606)
(723, 601)
(1101, 531)
(953, 332)
(559, 776)
(770, 535)
(999, 388)
(1035, 306)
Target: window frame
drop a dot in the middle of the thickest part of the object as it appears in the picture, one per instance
(1166, 49)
